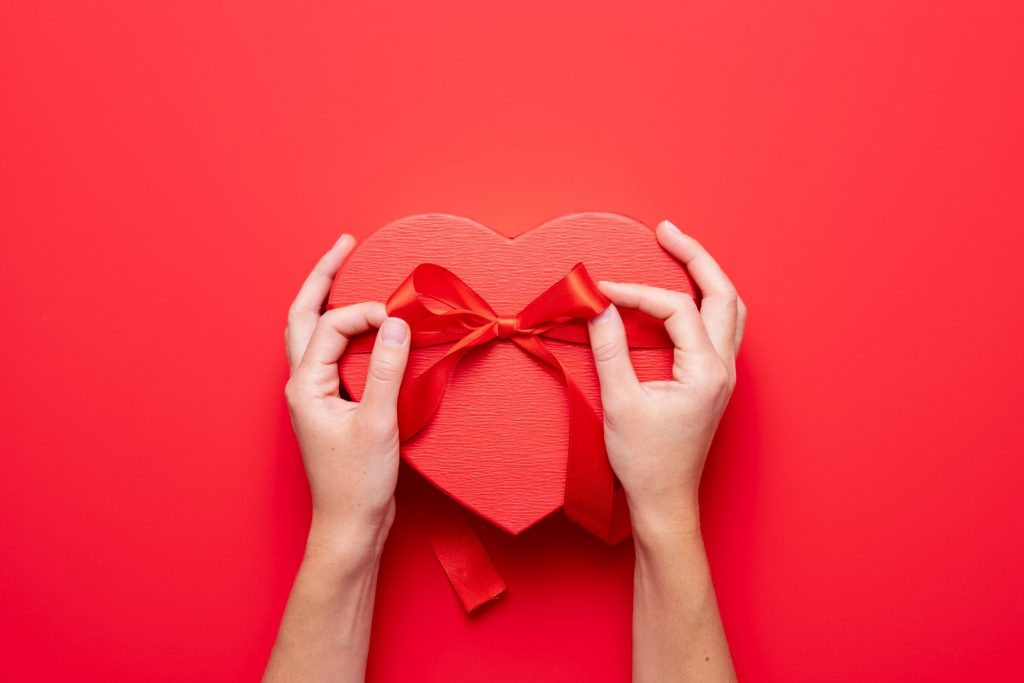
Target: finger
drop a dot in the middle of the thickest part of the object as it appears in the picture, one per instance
(682, 319)
(387, 367)
(319, 364)
(741, 322)
(305, 310)
(718, 308)
(611, 353)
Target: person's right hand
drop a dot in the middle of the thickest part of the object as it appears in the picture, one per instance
(657, 434)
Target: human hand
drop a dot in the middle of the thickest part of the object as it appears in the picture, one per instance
(349, 449)
(657, 434)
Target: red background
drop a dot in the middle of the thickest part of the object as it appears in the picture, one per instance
(170, 172)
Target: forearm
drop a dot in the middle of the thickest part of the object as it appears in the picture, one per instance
(677, 629)
(325, 631)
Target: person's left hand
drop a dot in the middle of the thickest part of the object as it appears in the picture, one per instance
(350, 450)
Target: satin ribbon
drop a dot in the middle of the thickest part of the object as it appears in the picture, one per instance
(442, 309)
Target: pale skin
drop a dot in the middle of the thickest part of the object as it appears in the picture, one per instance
(657, 435)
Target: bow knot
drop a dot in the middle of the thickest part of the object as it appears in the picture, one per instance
(506, 327)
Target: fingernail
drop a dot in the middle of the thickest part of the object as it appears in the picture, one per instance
(604, 316)
(672, 227)
(394, 331)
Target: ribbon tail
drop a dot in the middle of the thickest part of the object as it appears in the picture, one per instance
(421, 396)
(456, 545)
(592, 498)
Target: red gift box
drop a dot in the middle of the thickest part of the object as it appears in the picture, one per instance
(500, 406)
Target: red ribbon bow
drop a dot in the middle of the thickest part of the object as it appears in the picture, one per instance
(440, 308)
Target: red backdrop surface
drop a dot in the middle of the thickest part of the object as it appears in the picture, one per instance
(170, 171)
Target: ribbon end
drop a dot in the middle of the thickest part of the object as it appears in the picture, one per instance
(460, 551)
(472, 600)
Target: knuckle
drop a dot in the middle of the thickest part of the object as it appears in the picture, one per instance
(714, 376)
(294, 314)
(606, 350)
(331, 316)
(720, 376)
(729, 383)
(291, 392)
(383, 369)
(298, 317)
(678, 300)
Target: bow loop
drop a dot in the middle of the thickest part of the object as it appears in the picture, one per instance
(438, 306)
(575, 296)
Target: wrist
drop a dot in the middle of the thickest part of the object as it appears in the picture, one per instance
(664, 549)
(666, 525)
(345, 545)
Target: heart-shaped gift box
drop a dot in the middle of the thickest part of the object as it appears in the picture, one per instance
(498, 442)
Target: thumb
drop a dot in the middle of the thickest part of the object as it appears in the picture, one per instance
(611, 352)
(387, 367)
